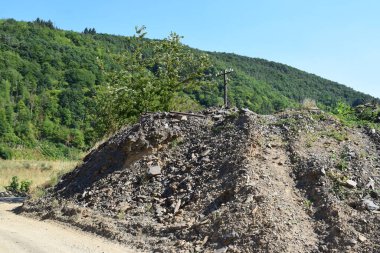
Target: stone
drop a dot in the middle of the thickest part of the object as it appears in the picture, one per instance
(370, 205)
(177, 206)
(184, 118)
(373, 131)
(221, 250)
(323, 171)
(159, 210)
(217, 117)
(371, 184)
(205, 240)
(154, 170)
(351, 183)
(206, 152)
(361, 238)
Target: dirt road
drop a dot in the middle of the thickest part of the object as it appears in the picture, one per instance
(20, 234)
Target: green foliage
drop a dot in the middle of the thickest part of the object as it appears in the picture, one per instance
(152, 75)
(25, 186)
(344, 111)
(367, 115)
(337, 135)
(57, 100)
(5, 153)
(16, 186)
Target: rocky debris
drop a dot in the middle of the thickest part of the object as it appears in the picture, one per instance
(227, 180)
(10, 194)
(6, 194)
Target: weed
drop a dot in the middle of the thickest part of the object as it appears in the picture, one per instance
(45, 167)
(319, 116)
(38, 192)
(174, 143)
(232, 115)
(27, 165)
(218, 129)
(25, 186)
(308, 203)
(55, 203)
(309, 104)
(337, 135)
(14, 184)
(291, 123)
(120, 215)
(311, 139)
(338, 187)
(342, 165)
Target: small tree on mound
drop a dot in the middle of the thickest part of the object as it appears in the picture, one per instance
(153, 75)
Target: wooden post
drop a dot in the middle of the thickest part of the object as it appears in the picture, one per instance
(225, 89)
(225, 78)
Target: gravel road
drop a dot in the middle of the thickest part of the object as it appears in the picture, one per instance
(20, 234)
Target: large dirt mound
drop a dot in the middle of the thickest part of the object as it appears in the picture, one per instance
(228, 181)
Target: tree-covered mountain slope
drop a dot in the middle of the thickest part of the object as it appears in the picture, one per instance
(49, 79)
(285, 82)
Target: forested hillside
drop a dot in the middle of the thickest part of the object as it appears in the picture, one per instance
(49, 79)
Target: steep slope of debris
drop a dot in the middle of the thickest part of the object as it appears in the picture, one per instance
(227, 181)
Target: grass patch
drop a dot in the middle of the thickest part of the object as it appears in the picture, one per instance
(337, 135)
(38, 172)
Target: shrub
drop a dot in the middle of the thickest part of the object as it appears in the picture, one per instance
(14, 184)
(5, 153)
(25, 186)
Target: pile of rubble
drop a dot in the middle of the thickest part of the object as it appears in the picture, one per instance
(227, 181)
(6, 194)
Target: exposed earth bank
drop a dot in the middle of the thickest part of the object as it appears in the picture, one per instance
(228, 181)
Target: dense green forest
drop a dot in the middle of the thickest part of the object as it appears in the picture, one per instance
(50, 78)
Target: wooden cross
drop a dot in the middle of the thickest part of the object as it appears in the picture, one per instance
(224, 73)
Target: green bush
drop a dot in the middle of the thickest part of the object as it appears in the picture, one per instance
(14, 184)
(5, 153)
(25, 186)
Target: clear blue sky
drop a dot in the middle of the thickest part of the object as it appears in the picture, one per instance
(336, 39)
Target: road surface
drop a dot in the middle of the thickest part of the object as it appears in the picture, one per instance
(19, 234)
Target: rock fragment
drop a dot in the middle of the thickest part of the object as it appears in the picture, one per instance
(177, 206)
(154, 170)
(221, 250)
(351, 183)
(361, 238)
(371, 184)
(370, 205)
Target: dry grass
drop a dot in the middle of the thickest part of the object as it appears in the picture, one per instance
(39, 172)
(309, 104)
